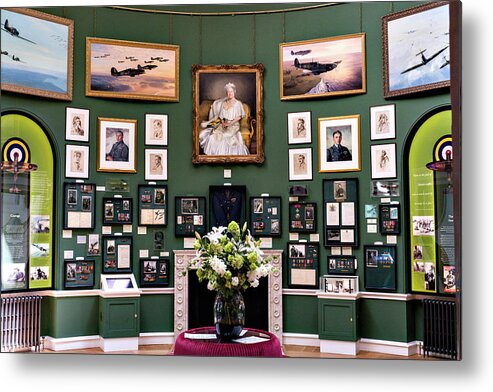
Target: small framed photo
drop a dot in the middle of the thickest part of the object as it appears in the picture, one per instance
(76, 161)
(339, 144)
(300, 164)
(340, 284)
(77, 124)
(382, 122)
(156, 129)
(156, 164)
(383, 161)
(93, 245)
(299, 128)
(385, 188)
(116, 147)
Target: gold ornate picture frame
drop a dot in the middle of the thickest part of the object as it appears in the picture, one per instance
(228, 131)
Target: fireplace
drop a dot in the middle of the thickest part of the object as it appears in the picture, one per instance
(263, 304)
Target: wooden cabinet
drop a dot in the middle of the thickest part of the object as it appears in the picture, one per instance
(338, 319)
(119, 317)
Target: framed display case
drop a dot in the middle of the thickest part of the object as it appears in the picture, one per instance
(227, 203)
(340, 212)
(78, 274)
(154, 272)
(380, 267)
(153, 205)
(302, 217)
(190, 213)
(341, 265)
(79, 205)
(303, 260)
(117, 254)
(389, 218)
(265, 216)
(339, 284)
(117, 211)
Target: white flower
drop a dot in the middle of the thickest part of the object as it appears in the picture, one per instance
(235, 281)
(216, 234)
(263, 271)
(254, 283)
(252, 275)
(210, 286)
(218, 266)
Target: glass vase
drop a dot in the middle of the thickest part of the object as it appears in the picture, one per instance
(229, 314)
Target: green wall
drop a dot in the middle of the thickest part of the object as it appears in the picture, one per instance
(239, 39)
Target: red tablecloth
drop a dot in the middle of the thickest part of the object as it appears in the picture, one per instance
(270, 348)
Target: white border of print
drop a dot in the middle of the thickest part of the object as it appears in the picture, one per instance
(389, 133)
(292, 139)
(391, 168)
(69, 149)
(150, 140)
(306, 176)
(83, 114)
(164, 161)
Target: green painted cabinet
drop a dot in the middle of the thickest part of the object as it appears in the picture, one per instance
(119, 317)
(338, 319)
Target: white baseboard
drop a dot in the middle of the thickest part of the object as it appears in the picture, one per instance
(150, 338)
(390, 347)
(300, 339)
(119, 344)
(339, 347)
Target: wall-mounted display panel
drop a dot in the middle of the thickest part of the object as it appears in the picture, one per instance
(117, 254)
(190, 213)
(303, 264)
(302, 217)
(79, 205)
(79, 274)
(380, 267)
(117, 211)
(154, 272)
(153, 205)
(265, 216)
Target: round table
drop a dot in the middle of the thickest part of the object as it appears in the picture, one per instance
(215, 348)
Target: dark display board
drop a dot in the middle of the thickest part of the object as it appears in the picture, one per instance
(340, 212)
(227, 203)
(380, 267)
(153, 205)
(343, 265)
(265, 216)
(389, 216)
(79, 206)
(302, 217)
(79, 274)
(117, 254)
(303, 260)
(117, 211)
(154, 272)
(190, 213)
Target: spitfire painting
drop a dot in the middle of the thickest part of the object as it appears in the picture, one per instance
(131, 70)
(323, 67)
(416, 50)
(36, 54)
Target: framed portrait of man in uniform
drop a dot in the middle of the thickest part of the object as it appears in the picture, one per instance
(117, 150)
(339, 144)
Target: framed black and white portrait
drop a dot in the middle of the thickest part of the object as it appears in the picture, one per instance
(77, 124)
(299, 128)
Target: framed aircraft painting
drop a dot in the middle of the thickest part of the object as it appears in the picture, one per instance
(416, 50)
(132, 70)
(323, 67)
(37, 53)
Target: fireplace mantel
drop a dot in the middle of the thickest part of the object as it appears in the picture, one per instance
(182, 257)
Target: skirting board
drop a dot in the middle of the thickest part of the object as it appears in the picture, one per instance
(94, 341)
(389, 347)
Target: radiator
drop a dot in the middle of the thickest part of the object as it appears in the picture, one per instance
(440, 333)
(20, 323)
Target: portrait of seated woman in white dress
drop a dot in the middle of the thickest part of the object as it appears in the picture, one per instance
(221, 134)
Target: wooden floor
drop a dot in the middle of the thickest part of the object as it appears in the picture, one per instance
(291, 351)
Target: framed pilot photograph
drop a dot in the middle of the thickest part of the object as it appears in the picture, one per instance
(383, 161)
(156, 164)
(299, 128)
(300, 164)
(116, 147)
(416, 49)
(339, 144)
(76, 161)
(227, 114)
(382, 122)
(77, 124)
(323, 67)
(156, 129)
(132, 70)
(40, 47)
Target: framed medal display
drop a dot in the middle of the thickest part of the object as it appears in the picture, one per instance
(303, 260)
(389, 218)
(341, 265)
(302, 217)
(340, 212)
(117, 211)
(153, 205)
(79, 207)
(265, 216)
(190, 215)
